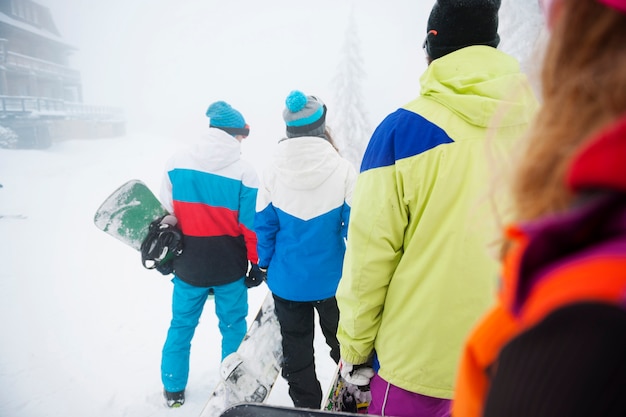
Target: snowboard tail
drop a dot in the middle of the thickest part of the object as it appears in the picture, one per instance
(127, 213)
(249, 374)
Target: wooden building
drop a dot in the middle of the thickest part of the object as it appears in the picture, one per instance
(40, 95)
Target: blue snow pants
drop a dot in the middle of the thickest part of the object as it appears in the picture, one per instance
(231, 308)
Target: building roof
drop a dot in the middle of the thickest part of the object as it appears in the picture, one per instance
(38, 31)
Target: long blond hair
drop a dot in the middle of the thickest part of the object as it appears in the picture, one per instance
(583, 88)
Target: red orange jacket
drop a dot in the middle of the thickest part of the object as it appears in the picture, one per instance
(557, 261)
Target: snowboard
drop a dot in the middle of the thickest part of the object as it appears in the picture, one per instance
(127, 213)
(346, 397)
(265, 410)
(249, 374)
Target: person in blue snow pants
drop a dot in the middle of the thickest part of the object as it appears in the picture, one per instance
(231, 308)
(212, 193)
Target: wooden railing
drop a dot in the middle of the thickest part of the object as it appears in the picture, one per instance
(22, 105)
(25, 62)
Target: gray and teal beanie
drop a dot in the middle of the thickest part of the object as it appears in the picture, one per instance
(304, 115)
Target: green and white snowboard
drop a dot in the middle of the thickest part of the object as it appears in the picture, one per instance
(127, 213)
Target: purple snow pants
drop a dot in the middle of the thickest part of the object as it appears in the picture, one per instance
(389, 400)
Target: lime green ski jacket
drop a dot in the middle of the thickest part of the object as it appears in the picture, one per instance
(418, 273)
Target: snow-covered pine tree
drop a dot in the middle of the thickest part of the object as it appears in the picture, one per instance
(350, 127)
(523, 35)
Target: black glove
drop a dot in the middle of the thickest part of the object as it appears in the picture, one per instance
(255, 276)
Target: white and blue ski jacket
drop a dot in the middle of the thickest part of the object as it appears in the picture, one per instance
(303, 209)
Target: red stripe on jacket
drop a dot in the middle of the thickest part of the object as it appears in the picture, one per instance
(201, 220)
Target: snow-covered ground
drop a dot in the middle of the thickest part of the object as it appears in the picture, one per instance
(82, 322)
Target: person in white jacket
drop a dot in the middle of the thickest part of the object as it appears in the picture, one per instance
(303, 209)
(212, 192)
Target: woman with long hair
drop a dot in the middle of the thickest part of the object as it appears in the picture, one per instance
(303, 210)
(554, 344)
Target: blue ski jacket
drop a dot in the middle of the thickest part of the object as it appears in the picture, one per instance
(303, 210)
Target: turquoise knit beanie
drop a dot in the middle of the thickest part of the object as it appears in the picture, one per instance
(223, 116)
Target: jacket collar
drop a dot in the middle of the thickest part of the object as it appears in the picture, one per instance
(600, 164)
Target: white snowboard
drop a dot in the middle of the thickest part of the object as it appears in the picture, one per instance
(249, 374)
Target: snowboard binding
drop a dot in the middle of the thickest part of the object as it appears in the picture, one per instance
(162, 244)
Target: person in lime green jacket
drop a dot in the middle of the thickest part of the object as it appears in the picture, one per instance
(418, 273)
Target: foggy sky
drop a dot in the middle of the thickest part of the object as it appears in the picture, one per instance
(164, 61)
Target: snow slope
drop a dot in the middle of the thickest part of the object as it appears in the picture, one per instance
(83, 323)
